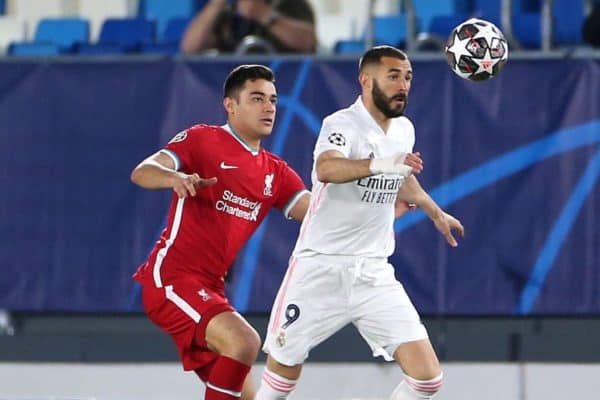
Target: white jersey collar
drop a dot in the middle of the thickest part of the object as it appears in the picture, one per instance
(364, 114)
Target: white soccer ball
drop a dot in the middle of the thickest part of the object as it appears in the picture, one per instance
(476, 50)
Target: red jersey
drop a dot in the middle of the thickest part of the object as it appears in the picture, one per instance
(204, 233)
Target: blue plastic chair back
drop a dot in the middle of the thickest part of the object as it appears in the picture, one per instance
(175, 30)
(127, 32)
(568, 20)
(426, 10)
(442, 25)
(349, 47)
(66, 32)
(527, 28)
(463, 6)
(162, 11)
(490, 10)
(390, 30)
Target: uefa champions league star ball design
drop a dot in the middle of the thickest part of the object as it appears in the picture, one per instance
(476, 50)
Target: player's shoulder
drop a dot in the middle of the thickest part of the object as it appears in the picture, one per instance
(204, 130)
(343, 117)
(200, 132)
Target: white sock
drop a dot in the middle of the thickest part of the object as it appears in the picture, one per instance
(274, 387)
(413, 389)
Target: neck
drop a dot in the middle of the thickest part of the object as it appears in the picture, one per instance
(250, 140)
(378, 116)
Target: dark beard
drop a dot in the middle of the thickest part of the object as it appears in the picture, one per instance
(382, 102)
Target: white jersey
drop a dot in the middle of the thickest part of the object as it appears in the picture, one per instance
(355, 218)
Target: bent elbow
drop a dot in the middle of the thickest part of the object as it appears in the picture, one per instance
(324, 175)
(135, 176)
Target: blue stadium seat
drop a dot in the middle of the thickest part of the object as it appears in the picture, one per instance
(427, 10)
(2, 6)
(65, 32)
(527, 29)
(463, 6)
(175, 29)
(387, 29)
(349, 47)
(442, 25)
(568, 20)
(127, 32)
(31, 49)
(489, 10)
(390, 29)
(169, 41)
(163, 11)
(122, 35)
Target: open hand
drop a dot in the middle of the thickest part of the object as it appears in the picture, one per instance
(185, 185)
(445, 224)
(414, 161)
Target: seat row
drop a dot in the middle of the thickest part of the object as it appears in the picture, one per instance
(433, 20)
(117, 36)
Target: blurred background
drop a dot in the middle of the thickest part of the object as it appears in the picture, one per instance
(88, 88)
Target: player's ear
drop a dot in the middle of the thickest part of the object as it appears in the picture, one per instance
(228, 104)
(365, 80)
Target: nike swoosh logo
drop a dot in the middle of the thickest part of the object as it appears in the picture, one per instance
(225, 166)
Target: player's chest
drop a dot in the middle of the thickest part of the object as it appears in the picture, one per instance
(252, 178)
(375, 144)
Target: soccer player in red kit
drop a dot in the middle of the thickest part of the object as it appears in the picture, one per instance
(224, 185)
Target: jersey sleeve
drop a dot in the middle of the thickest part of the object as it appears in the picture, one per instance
(336, 134)
(290, 190)
(180, 148)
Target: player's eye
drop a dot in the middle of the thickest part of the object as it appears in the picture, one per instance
(393, 77)
(257, 99)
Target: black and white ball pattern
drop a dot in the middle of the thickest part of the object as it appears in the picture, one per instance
(338, 139)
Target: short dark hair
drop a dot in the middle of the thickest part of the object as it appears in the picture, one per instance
(374, 54)
(239, 75)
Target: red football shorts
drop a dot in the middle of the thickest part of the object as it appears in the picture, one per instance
(183, 310)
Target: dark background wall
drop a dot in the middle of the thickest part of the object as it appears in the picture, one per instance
(516, 158)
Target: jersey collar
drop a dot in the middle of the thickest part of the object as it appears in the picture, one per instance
(367, 117)
(254, 151)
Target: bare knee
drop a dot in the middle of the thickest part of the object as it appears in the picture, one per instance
(243, 346)
(230, 335)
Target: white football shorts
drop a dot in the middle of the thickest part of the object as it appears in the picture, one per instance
(320, 295)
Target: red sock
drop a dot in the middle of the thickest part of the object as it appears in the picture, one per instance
(226, 379)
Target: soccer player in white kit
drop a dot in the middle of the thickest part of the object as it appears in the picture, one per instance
(363, 177)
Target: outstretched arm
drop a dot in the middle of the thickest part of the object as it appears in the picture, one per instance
(293, 32)
(158, 172)
(411, 192)
(332, 166)
(199, 34)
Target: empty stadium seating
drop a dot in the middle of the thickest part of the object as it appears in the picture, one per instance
(156, 26)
